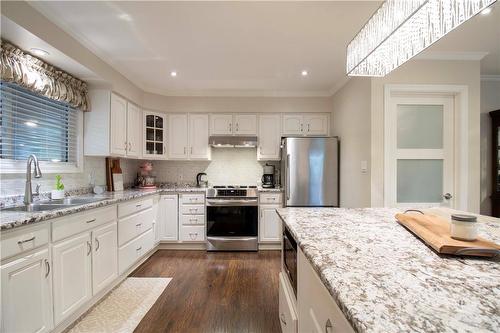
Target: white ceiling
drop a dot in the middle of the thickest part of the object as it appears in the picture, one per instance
(218, 48)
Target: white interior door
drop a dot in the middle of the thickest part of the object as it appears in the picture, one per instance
(419, 149)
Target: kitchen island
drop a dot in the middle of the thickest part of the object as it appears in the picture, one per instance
(384, 279)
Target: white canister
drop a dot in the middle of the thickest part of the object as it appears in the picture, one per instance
(463, 227)
(57, 194)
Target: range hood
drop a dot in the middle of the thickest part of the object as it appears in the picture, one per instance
(233, 141)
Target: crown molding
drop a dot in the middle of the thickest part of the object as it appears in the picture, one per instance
(235, 93)
(490, 78)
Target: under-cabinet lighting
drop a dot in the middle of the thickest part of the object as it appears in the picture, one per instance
(39, 52)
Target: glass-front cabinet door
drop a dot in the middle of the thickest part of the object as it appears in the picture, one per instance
(155, 136)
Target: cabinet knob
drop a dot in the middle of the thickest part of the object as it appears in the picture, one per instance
(282, 318)
(47, 268)
(328, 326)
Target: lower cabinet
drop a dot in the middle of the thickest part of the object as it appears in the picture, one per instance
(168, 217)
(192, 233)
(104, 259)
(72, 260)
(269, 224)
(287, 311)
(27, 294)
(316, 308)
(129, 253)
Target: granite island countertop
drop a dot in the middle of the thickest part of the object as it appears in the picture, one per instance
(384, 279)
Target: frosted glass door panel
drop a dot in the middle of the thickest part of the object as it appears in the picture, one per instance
(419, 181)
(419, 126)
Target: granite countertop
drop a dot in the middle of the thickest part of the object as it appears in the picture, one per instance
(13, 219)
(384, 279)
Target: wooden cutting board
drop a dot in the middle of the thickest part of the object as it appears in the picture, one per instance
(435, 232)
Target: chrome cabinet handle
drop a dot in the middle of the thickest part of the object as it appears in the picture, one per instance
(90, 221)
(282, 318)
(308, 127)
(447, 196)
(97, 244)
(328, 326)
(184, 150)
(129, 146)
(125, 145)
(164, 149)
(302, 127)
(139, 248)
(89, 246)
(26, 240)
(237, 127)
(193, 220)
(138, 224)
(138, 205)
(47, 268)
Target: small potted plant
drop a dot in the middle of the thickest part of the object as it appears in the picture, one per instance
(58, 193)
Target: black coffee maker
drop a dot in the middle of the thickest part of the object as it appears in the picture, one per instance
(268, 177)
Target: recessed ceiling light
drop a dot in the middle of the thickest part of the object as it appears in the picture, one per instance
(39, 52)
(125, 17)
(486, 11)
(173, 73)
(30, 123)
(304, 73)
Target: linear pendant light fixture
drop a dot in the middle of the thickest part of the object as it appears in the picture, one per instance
(400, 29)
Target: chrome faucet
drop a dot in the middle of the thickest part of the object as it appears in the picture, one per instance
(28, 194)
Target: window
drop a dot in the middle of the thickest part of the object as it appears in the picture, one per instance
(34, 124)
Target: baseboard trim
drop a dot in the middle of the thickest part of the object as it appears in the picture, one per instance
(181, 246)
(270, 246)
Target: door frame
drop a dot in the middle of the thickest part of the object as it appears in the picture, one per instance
(460, 129)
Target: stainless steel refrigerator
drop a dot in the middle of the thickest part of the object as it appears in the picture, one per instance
(310, 171)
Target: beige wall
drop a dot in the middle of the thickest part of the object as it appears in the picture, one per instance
(27, 17)
(235, 104)
(428, 72)
(490, 101)
(351, 123)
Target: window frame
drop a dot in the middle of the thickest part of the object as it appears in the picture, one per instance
(10, 166)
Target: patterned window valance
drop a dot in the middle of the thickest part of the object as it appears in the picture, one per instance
(38, 76)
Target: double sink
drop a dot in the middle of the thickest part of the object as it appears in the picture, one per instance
(49, 205)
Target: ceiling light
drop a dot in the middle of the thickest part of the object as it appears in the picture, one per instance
(173, 73)
(486, 11)
(304, 73)
(39, 52)
(125, 17)
(399, 30)
(30, 123)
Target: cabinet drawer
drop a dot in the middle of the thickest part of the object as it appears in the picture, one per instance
(129, 253)
(134, 225)
(192, 233)
(193, 209)
(270, 198)
(193, 219)
(193, 198)
(288, 317)
(24, 239)
(135, 206)
(74, 224)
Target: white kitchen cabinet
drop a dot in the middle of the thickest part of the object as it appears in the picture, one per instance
(287, 308)
(316, 124)
(269, 137)
(118, 128)
(317, 311)
(155, 135)
(221, 124)
(178, 139)
(307, 124)
(134, 130)
(192, 233)
(292, 124)
(27, 294)
(156, 218)
(168, 217)
(113, 127)
(104, 258)
(269, 224)
(244, 124)
(72, 267)
(198, 137)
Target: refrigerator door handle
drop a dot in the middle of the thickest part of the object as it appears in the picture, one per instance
(287, 185)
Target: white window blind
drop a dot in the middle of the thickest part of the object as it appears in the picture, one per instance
(33, 124)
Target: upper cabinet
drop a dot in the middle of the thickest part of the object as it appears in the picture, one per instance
(155, 135)
(229, 124)
(188, 137)
(113, 127)
(269, 137)
(313, 124)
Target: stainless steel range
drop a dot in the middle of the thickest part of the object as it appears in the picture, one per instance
(232, 218)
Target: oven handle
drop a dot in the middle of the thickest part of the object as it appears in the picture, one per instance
(231, 202)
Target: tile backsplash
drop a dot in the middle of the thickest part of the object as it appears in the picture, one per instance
(228, 166)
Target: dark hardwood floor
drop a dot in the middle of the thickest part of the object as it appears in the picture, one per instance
(213, 292)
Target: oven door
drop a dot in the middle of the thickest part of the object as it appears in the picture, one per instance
(232, 218)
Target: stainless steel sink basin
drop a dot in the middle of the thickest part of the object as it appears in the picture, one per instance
(36, 207)
(53, 204)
